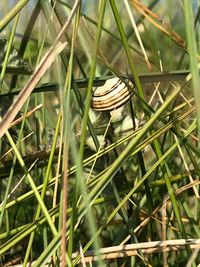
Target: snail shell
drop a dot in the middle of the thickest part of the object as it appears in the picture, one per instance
(112, 95)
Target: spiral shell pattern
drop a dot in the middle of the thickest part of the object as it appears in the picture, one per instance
(112, 95)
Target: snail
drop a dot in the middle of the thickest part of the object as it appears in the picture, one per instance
(112, 95)
(111, 99)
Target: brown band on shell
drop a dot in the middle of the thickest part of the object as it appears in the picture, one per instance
(112, 95)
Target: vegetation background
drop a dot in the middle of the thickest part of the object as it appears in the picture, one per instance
(78, 187)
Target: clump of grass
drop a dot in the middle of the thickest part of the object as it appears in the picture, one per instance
(85, 187)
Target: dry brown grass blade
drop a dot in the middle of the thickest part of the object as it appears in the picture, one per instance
(122, 251)
(25, 116)
(158, 22)
(44, 65)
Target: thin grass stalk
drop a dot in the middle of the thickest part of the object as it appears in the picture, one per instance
(140, 146)
(92, 75)
(48, 12)
(3, 71)
(80, 103)
(75, 87)
(44, 188)
(10, 178)
(32, 184)
(192, 49)
(166, 173)
(67, 133)
(131, 192)
(10, 42)
(49, 57)
(127, 220)
(137, 32)
(32, 226)
(193, 219)
(26, 91)
(159, 132)
(73, 216)
(180, 129)
(83, 188)
(196, 193)
(135, 77)
(25, 39)
(51, 249)
(60, 12)
(107, 177)
(101, 200)
(66, 125)
(25, 231)
(12, 13)
(129, 249)
(180, 63)
(127, 49)
(83, 82)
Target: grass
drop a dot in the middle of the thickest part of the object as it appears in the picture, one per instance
(87, 188)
